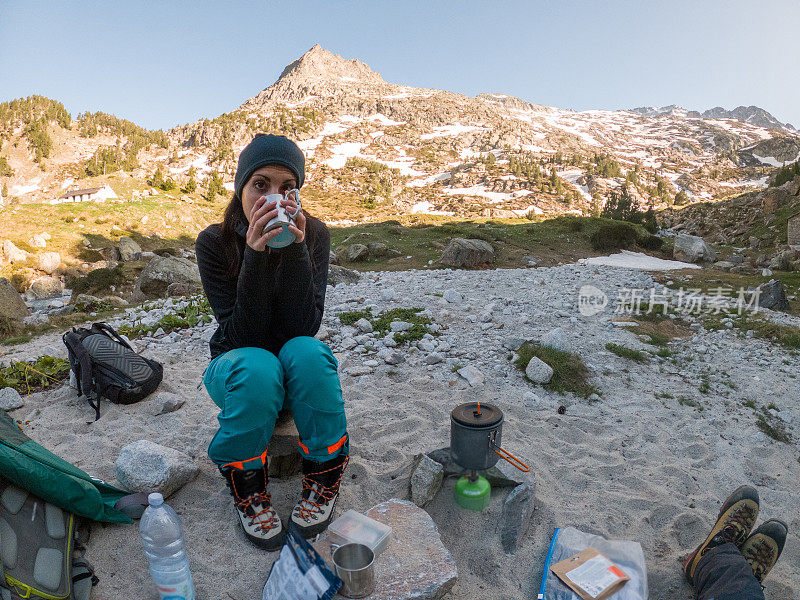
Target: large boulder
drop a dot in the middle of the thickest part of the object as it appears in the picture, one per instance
(145, 466)
(772, 295)
(129, 249)
(12, 306)
(692, 248)
(462, 252)
(164, 270)
(357, 253)
(337, 275)
(12, 253)
(793, 231)
(49, 262)
(46, 287)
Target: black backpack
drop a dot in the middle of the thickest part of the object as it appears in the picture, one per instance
(105, 365)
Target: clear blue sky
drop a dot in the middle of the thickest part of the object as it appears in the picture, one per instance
(165, 63)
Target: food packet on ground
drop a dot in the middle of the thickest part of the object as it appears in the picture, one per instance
(627, 555)
(299, 573)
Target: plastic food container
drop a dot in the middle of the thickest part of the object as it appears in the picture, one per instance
(353, 527)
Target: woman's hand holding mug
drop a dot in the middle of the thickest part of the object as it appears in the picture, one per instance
(268, 208)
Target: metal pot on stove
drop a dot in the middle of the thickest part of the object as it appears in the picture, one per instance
(476, 429)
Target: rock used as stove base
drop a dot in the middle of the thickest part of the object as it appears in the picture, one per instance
(426, 480)
(500, 475)
(415, 565)
(515, 517)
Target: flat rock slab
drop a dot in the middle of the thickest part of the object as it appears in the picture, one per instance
(415, 565)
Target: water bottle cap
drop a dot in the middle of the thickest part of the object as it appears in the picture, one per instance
(155, 499)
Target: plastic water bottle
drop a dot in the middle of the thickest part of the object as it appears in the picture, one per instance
(162, 538)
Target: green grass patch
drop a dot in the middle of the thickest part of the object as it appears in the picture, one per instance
(569, 372)
(196, 312)
(773, 427)
(684, 401)
(625, 352)
(664, 353)
(382, 323)
(787, 336)
(34, 376)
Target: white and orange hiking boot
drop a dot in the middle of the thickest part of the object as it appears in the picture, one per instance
(260, 522)
(314, 510)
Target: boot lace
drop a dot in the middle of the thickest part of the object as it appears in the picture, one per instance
(306, 508)
(760, 555)
(738, 525)
(258, 518)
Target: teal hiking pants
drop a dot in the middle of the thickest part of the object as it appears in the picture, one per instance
(250, 386)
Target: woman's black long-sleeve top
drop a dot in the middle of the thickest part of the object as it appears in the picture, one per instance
(276, 295)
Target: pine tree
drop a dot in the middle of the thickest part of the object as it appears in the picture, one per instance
(158, 178)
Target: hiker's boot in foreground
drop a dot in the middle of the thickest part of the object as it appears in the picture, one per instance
(736, 518)
(314, 510)
(260, 522)
(764, 546)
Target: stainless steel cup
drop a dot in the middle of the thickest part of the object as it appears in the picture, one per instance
(355, 566)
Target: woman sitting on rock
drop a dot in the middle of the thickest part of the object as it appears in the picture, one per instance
(268, 302)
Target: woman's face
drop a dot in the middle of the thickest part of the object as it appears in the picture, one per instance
(271, 179)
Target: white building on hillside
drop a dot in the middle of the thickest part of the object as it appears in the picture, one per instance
(88, 195)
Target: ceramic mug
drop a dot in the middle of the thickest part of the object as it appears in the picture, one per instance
(282, 219)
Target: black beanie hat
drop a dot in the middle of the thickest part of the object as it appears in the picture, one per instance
(268, 149)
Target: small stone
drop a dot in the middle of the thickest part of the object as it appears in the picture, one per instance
(515, 517)
(426, 345)
(371, 363)
(532, 400)
(49, 262)
(434, 358)
(389, 341)
(391, 358)
(364, 326)
(472, 374)
(349, 343)
(400, 326)
(452, 296)
(538, 371)
(145, 466)
(513, 343)
(10, 399)
(358, 370)
(165, 402)
(557, 339)
(388, 294)
(426, 480)
(485, 317)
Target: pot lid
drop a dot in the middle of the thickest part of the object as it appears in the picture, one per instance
(467, 414)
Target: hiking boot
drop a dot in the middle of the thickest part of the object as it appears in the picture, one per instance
(260, 522)
(736, 518)
(764, 546)
(314, 510)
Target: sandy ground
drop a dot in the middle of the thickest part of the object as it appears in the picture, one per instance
(627, 467)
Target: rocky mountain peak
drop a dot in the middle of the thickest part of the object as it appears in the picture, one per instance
(318, 72)
(319, 63)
